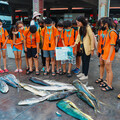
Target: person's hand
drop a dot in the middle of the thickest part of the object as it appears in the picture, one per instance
(97, 52)
(108, 61)
(75, 53)
(92, 52)
(72, 46)
(37, 55)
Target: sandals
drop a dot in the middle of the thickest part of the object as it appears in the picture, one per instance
(69, 75)
(60, 71)
(103, 84)
(63, 73)
(99, 80)
(53, 74)
(107, 88)
(28, 72)
(37, 73)
(2, 71)
(57, 71)
(46, 73)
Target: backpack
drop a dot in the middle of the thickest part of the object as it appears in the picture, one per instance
(117, 46)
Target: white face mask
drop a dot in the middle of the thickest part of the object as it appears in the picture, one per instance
(0, 26)
(59, 29)
(37, 17)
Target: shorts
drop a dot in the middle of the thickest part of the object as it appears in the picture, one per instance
(15, 49)
(72, 61)
(2, 49)
(79, 54)
(50, 54)
(31, 52)
(99, 54)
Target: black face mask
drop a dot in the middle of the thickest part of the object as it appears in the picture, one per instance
(103, 28)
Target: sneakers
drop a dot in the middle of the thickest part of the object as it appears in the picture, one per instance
(2, 71)
(6, 70)
(80, 75)
(84, 77)
(76, 71)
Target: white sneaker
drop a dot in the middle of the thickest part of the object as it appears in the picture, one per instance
(80, 75)
(84, 77)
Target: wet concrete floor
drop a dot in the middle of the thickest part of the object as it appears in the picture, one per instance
(9, 110)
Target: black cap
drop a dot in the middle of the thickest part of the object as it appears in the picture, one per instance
(33, 29)
(48, 21)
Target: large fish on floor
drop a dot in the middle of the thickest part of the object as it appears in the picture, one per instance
(9, 82)
(53, 88)
(3, 87)
(51, 97)
(33, 90)
(32, 101)
(72, 110)
(12, 78)
(47, 82)
(86, 99)
(82, 88)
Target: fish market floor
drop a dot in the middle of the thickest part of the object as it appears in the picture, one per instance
(9, 110)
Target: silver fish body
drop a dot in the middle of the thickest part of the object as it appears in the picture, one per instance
(60, 95)
(33, 90)
(3, 87)
(32, 101)
(54, 88)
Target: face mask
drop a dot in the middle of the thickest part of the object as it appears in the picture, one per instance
(49, 27)
(103, 28)
(67, 30)
(37, 17)
(0, 26)
(59, 29)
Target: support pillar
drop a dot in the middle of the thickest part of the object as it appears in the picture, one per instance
(103, 10)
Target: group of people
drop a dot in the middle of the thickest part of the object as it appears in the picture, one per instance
(44, 35)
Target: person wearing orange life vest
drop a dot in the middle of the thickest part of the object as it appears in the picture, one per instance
(3, 46)
(21, 28)
(16, 45)
(79, 54)
(68, 41)
(108, 51)
(60, 44)
(31, 46)
(49, 39)
(101, 36)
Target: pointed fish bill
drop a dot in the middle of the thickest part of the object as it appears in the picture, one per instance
(3, 87)
(71, 109)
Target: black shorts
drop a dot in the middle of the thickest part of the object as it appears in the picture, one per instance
(31, 52)
(99, 54)
(79, 54)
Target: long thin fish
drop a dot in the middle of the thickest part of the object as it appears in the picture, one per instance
(32, 101)
(86, 99)
(72, 110)
(82, 88)
(9, 82)
(33, 90)
(53, 88)
(47, 82)
(3, 87)
(60, 95)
